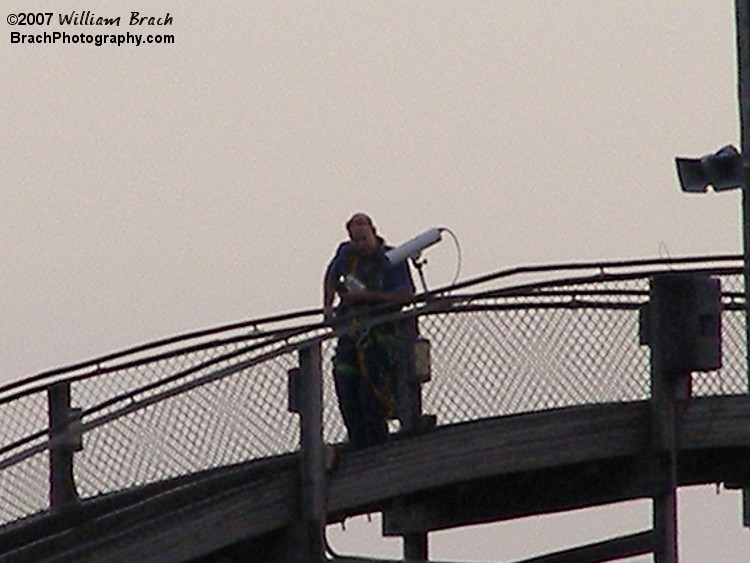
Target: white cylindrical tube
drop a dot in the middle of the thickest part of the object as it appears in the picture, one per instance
(412, 247)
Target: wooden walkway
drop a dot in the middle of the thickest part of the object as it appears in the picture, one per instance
(484, 471)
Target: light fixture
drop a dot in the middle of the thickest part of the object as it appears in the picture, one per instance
(722, 170)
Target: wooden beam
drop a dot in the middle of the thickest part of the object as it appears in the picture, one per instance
(512, 496)
(488, 448)
(370, 560)
(608, 550)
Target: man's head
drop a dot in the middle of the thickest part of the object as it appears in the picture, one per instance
(362, 234)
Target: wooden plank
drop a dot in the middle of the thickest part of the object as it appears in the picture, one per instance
(160, 529)
(529, 442)
(715, 422)
(487, 448)
(203, 527)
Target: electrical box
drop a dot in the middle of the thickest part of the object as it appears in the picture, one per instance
(682, 322)
(74, 433)
(422, 363)
(293, 390)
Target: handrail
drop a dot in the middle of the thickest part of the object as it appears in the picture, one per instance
(454, 304)
(95, 363)
(578, 289)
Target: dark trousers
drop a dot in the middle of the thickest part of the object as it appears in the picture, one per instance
(362, 373)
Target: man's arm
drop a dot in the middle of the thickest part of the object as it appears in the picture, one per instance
(329, 292)
(396, 296)
(330, 281)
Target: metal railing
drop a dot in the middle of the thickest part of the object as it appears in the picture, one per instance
(519, 340)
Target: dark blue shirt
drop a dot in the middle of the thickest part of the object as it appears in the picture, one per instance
(374, 271)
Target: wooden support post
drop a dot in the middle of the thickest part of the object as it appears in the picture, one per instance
(302, 541)
(408, 389)
(312, 465)
(62, 489)
(416, 546)
(660, 337)
(683, 329)
(409, 400)
(664, 451)
(742, 24)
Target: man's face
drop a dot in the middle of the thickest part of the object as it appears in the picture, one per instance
(363, 239)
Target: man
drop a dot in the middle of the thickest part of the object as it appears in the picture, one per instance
(365, 362)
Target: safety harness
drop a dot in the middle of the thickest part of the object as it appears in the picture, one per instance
(368, 337)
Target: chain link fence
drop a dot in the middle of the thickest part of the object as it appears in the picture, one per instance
(520, 342)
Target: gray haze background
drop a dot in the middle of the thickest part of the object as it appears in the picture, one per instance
(151, 190)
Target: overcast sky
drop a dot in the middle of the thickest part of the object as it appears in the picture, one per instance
(155, 189)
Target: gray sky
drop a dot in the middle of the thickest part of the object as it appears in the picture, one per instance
(151, 190)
